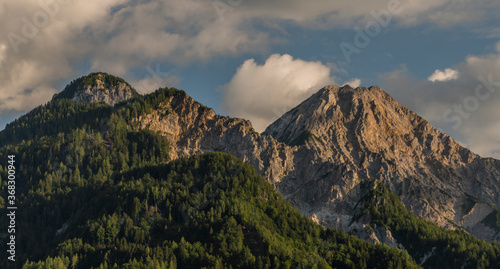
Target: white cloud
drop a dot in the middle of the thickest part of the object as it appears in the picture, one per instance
(3, 49)
(42, 42)
(446, 75)
(465, 107)
(354, 83)
(175, 31)
(152, 83)
(262, 93)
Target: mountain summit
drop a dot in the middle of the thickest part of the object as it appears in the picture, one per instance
(348, 135)
(98, 88)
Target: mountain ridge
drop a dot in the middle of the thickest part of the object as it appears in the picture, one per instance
(98, 192)
(281, 163)
(317, 154)
(344, 135)
(343, 154)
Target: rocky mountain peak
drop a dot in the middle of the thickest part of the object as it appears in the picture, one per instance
(321, 110)
(318, 155)
(347, 135)
(366, 121)
(98, 88)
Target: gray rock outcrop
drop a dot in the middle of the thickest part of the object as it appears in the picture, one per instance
(317, 154)
(98, 88)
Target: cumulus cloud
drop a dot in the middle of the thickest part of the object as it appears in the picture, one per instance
(38, 49)
(465, 107)
(175, 31)
(447, 74)
(262, 93)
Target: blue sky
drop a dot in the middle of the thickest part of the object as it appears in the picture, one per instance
(257, 59)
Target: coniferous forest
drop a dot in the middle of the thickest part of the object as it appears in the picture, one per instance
(94, 191)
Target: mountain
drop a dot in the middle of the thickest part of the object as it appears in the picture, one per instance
(318, 153)
(350, 159)
(349, 135)
(98, 88)
(95, 191)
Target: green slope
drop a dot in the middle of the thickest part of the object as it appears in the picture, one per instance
(62, 115)
(208, 211)
(450, 249)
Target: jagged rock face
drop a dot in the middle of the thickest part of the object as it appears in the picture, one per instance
(355, 134)
(318, 153)
(192, 128)
(102, 91)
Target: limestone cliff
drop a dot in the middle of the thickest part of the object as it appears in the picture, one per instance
(355, 134)
(318, 153)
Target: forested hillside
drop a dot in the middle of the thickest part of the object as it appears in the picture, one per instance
(93, 192)
(430, 245)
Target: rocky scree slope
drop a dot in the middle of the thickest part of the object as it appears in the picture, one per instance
(193, 128)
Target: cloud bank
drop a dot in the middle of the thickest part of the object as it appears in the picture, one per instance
(464, 106)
